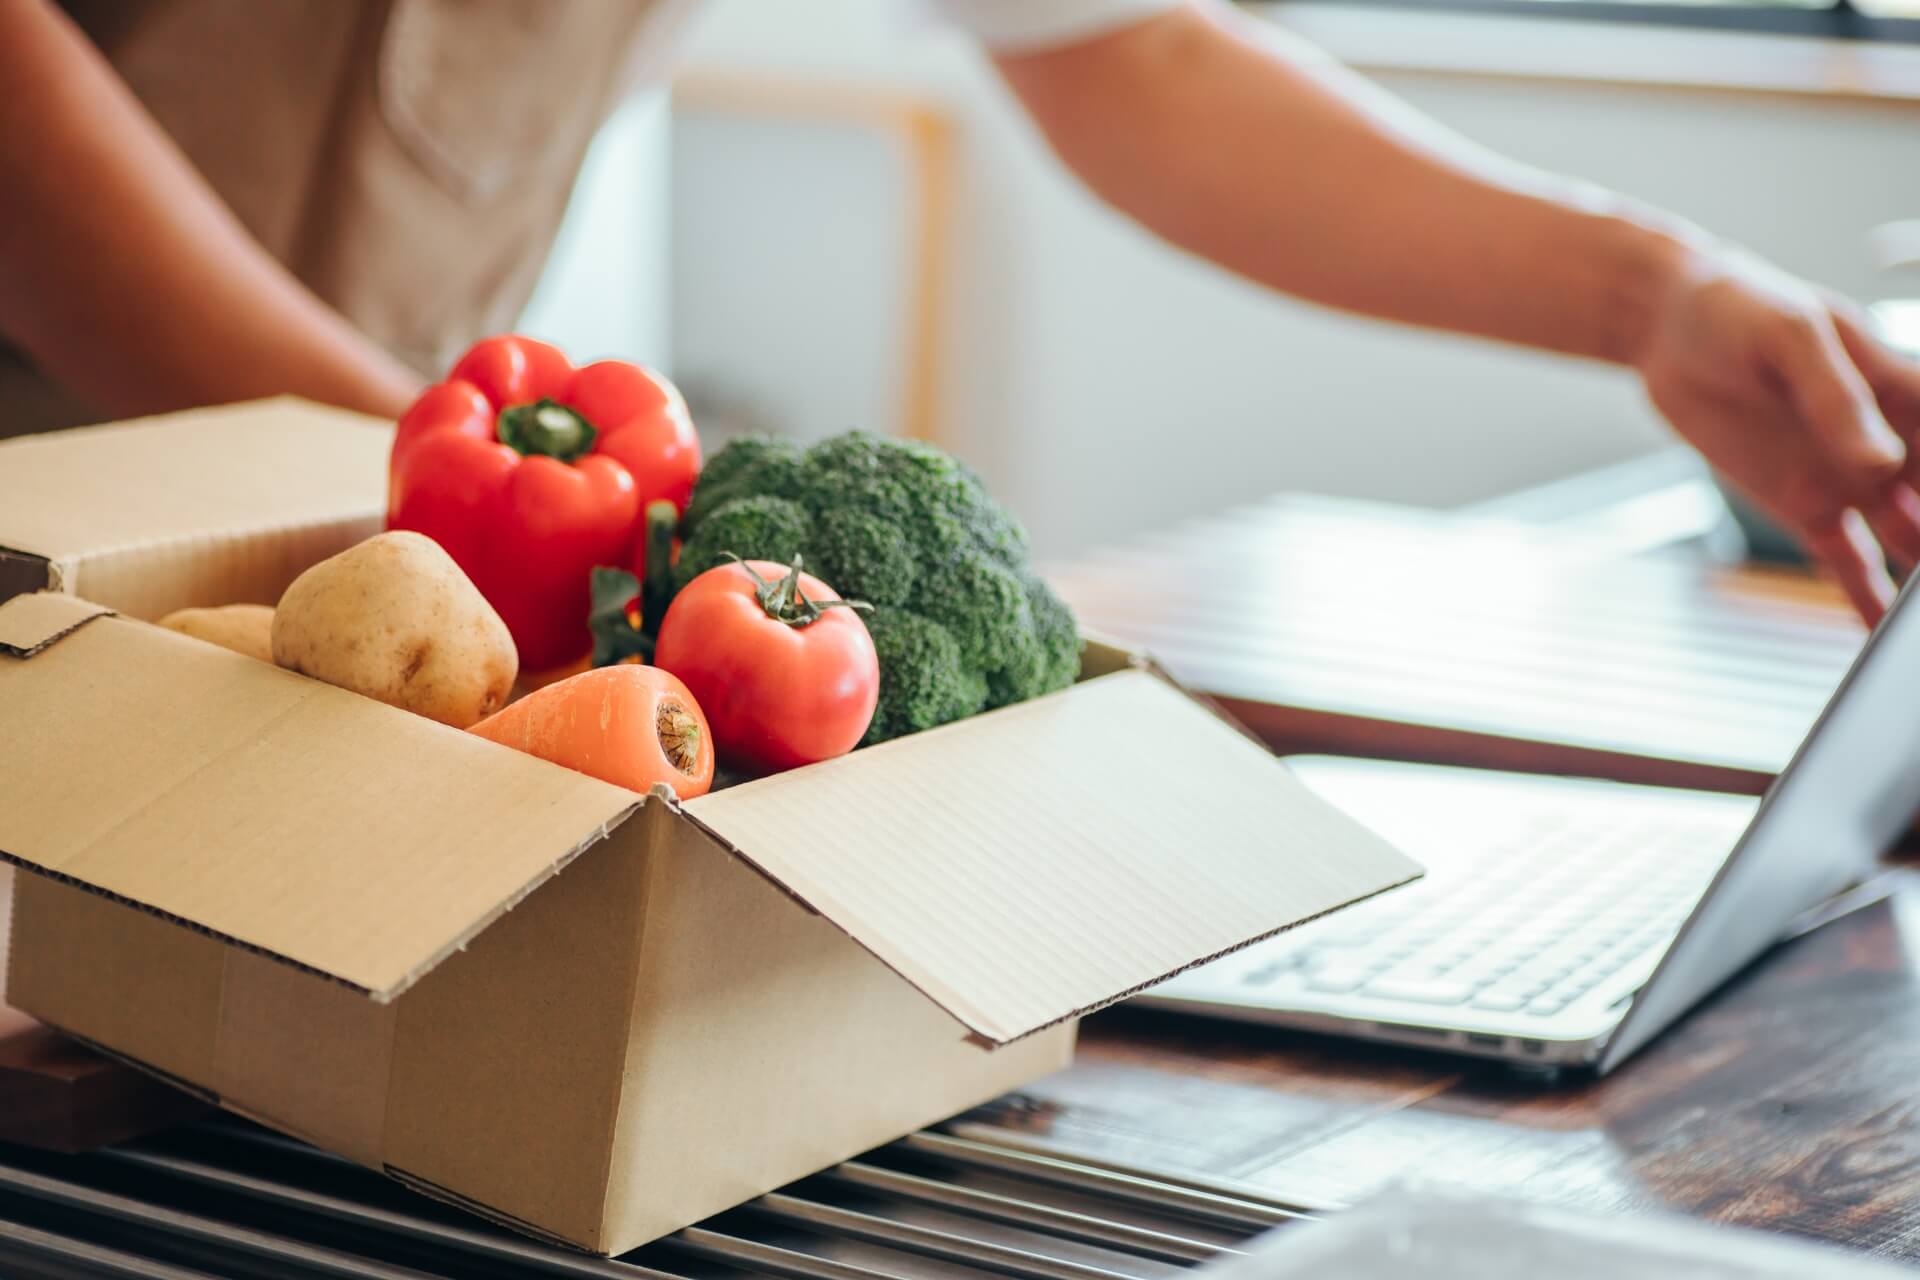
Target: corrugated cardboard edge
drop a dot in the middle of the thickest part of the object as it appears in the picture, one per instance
(1136, 662)
(434, 1191)
(33, 622)
(387, 995)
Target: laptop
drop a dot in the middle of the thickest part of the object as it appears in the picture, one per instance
(1565, 923)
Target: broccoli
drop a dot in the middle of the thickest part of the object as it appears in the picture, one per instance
(961, 622)
(752, 466)
(983, 605)
(752, 528)
(1051, 661)
(863, 557)
(923, 681)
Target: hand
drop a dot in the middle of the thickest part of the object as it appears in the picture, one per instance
(1792, 399)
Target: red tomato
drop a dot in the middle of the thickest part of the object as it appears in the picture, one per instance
(783, 680)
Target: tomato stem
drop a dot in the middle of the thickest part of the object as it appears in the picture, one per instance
(545, 427)
(785, 602)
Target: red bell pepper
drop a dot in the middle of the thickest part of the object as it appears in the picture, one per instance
(531, 473)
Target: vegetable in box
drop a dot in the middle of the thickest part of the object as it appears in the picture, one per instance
(531, 472)
(960, 622)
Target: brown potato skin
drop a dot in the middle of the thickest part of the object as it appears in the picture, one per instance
(243, 628)
(395, 619)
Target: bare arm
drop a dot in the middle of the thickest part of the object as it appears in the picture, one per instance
(1232, 140)
(1226, 137)
(123, 276)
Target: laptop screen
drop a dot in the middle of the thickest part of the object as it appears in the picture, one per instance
(1850, 791)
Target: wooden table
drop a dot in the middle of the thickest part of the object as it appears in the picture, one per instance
(1359, 629)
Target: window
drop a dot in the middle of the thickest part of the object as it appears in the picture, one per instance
(1896, 20)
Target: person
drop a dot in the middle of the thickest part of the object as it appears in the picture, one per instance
(213, 199)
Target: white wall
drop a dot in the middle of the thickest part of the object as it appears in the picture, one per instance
(1105, 383)
(606, 288)
(793, 239)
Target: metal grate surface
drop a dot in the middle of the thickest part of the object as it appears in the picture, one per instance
(229, 1199)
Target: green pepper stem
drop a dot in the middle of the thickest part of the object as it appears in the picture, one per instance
(547, 428)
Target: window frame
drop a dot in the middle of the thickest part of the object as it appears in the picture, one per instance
(1836, 21)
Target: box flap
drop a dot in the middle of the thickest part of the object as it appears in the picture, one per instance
(1034, 863)
(30, 623)
(271, 810)
(84, 500)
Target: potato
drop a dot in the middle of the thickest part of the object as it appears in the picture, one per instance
(394, 618)
(243, 628)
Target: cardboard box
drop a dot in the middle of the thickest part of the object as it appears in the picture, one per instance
(592, 1015)
(215, 506)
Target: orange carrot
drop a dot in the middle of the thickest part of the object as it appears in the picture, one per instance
(632, 726)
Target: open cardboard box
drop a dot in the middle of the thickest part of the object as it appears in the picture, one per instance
(589, 1014)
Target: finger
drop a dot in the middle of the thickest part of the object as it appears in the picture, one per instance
(1894, 377)
(1895, 520)
(1834, 400)
(1848, 550)
(1860, 336)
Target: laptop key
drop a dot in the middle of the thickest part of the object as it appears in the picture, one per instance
(1500, 1001)
(1333, 980)
(1433, 991)
(1265, 974)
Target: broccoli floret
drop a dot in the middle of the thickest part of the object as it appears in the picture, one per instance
(857, 472)
(752, 466)
(1004, 537)
(983, 604)
(929, 494)
(1059, 633)
(960, 621)
(949, 489)
(1051, 661)
(923, 681)
(862, 557)
(760, 528)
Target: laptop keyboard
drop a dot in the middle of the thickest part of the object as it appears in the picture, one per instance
(1566, 908)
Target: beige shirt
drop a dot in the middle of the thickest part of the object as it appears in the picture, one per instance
(409, 160)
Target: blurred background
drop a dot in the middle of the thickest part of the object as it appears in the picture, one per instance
(836, 219)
